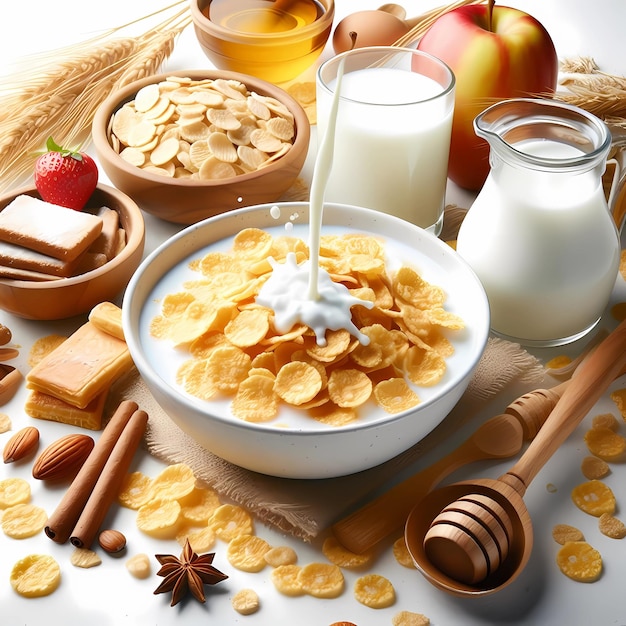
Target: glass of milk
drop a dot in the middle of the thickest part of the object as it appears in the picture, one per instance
(540, 234)
(392, 134)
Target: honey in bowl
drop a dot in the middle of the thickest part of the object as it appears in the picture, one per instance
(276, 40)
(263, 16)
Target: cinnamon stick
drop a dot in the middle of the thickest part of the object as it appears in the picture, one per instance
(63, 520)
(109, 482)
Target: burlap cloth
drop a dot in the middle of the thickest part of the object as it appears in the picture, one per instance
(304, 508)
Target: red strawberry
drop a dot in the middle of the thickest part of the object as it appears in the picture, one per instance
(65, 177)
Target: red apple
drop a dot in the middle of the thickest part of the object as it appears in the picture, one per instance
(496, 53)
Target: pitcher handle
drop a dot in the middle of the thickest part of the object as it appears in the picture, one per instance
(617, 192)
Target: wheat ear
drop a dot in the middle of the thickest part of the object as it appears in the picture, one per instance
(60, 98)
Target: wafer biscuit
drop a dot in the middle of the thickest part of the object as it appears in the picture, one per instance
(107, 240)
(47, 228)
(15, 273)
(19, 257)
(46, 407)
(82, 367)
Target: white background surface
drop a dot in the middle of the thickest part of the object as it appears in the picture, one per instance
(108, 595)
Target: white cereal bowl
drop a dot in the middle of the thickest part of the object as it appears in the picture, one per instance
(296, 446)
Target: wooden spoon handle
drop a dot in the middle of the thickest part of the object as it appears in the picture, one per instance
(592, 379)
(377, 519)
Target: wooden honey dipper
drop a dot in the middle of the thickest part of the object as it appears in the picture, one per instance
(475, 537)
(500, 437)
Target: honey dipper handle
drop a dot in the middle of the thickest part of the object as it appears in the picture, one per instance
(592, 379)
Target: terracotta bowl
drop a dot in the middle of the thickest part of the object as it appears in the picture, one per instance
(294, 445)
(187, 201)
(278, 56)
(67, 297)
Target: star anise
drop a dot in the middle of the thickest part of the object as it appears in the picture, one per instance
(189, 573)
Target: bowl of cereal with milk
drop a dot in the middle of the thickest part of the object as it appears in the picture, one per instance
(191, 144)
(305, 353)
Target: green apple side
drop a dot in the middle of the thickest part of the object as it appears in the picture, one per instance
(496, 53)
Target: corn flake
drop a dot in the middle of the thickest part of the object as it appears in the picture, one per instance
(594, 497)
(401, 553)
(173, 483)
(594, 468)
(135, 490)
(374, 591)
(35, 576)
(247, 553)
(611, 526)
(619, 397)
(579, 561)
(246, 602)
(85, 558)
(605, 443)
(159, 518)
(23, 520)
(286, 579)
(321, 580)
(562, 533)
(13, 491)
(408, 618)
(280, 555)
(230, 521)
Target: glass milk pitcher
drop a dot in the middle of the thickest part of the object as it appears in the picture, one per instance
(540, 235)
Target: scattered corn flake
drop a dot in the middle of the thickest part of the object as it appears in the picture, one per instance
(611, 526)
(562, 533)
(5, 423)
(401, 553)
(198, 506)
(85, 558)
(13, 491)
(594, 497)
(605, 443)
(408, 618)
(247, 553)
(281, 555)
(246, 602)
(374, 591)
(35, 576)
(138, 566)
(135, 490)
(230, 521)
(605, 420)
(337, 554)
(551, 488)
(286, 580)
(594, 468)
(579, 561)
(619, 397)
(172, 483)
(200, 539)
(23, 520)
(159, 518)
(321, 580)
(559, 361)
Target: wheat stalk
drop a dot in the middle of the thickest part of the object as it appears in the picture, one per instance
(426, 20)
(60, 98)
(597, 92)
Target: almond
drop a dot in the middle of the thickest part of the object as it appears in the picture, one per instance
(63, 458)
(23, 443)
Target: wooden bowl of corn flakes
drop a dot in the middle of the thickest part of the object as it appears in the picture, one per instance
(274, 401)
(191, 144)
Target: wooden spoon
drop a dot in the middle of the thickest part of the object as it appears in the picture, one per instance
(475, 537)
(498, 438)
